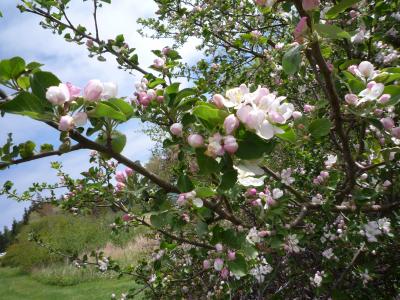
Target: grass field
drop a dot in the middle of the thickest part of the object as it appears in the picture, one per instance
(16, 286)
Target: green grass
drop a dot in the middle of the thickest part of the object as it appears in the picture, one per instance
(15, 285)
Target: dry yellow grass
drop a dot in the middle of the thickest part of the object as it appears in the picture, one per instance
(132, 251)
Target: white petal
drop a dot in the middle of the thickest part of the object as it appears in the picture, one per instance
(266, 130)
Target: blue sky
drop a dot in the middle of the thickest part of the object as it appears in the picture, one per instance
(21, 35)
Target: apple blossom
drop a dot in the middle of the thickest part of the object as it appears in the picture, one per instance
(195, 140)
(176, 129)
(396, 132)
(160, 99)
(128, 171)
(297, 115)
(206, 264)
(66, 123)
(110, 90)
(120, 186)
(231, 123)
(224, 273)
(309, 108)
(247, 172)
(351, 99)
(218, 264)
(219, 247)
(387, 123)
(277, 193)
(120, 176)
(231, 255)
(159, 63)
(93, 90)
(384, 98)
(58, 95)
(80, 119)
(215, 147)
(218, 100)
(366, 69)
(74, 91)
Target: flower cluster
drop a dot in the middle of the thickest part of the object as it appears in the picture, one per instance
(260, 111)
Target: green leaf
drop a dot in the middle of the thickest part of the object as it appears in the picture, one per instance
(25, 104)
(172, 89)
(102, 110)
(331, 31)
(206, 164)
(156, 82)
(251, 146)
(291, 60)
(340, 7)
(289, 136)
(46, 148)
(26, 149)
(204, 192)
(228, 179)
(320, 128)
(118, 141)
(209, 115)
(11, 68)
(40, 82)
(238, 266)
(185, 184)
(184, 94)
(123, 106)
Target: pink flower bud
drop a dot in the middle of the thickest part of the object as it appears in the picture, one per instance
(144, 99)
(66, 123)
(120, 186)
(324, 174)
(396, 132)
(251, 192)
(353, 69)
(206, 264)
(231, 255)
(176, 129)
(89, 43)
(271, 202)
(166, 50)
(219, 247)
(300, 30)
(224, 273)
(160, 99)
(158, 63)
(309, 108)
(387, 183)
(74, 91)
(127, 218)
(353, 13)
(297, 115)
(351, 99)
(128, 171)
(181, 200)
(120, 176)
(388, 123)
(310, 4)
(384, 98)
(264, 233)
(218, 100)
(230, 144)
(378, 112)
(218, 264)
(58, 95)
(231, 123)
(80, 119)
(195, 140)
(366, 69)
(93, 90)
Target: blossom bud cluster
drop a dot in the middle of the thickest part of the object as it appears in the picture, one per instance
(265, 198)
(145, 96)
(122, 177)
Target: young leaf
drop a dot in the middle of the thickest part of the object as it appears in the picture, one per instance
(340, 7)
(291, 60)
(320, 128)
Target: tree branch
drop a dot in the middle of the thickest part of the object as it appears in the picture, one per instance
(39, 156)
